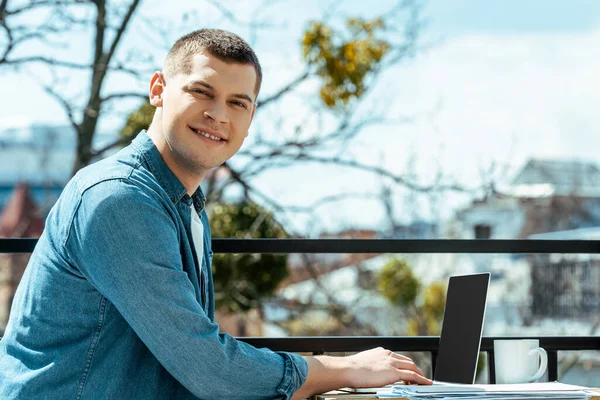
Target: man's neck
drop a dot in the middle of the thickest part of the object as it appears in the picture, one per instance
(189, 181)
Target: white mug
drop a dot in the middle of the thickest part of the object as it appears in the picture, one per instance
(519, 360)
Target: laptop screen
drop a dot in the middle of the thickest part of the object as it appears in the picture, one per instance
(462, 328)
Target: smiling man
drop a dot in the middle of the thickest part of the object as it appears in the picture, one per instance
(117, 300)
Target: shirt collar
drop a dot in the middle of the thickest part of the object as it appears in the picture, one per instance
(165, 177)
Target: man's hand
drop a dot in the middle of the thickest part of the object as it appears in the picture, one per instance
(371, 368)
(380, 367)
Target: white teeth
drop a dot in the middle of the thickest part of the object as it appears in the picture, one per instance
(208, 135)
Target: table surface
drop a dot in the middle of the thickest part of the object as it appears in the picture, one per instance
(353, 396)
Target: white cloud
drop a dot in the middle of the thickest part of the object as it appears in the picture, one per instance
(508, 97)
(505, 98)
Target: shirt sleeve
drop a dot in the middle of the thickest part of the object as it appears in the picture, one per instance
(125, 242)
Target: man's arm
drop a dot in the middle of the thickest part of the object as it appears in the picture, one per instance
(371, 368)
(124, 242)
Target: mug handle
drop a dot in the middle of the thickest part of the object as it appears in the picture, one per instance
(543, 363)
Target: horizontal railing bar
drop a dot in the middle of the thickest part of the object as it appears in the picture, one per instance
(17, 245)
(309, 344)
(356, 246)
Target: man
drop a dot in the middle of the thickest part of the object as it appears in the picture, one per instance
(117, 299)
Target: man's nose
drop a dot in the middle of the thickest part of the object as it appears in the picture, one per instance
(217, 113)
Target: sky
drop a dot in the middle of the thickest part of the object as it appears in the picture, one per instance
(497, 83)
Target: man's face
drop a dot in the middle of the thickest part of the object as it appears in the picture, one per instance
(205, 114)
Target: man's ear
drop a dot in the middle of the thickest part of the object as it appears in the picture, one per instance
(157, 87)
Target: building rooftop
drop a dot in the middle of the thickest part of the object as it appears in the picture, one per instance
(560, 174)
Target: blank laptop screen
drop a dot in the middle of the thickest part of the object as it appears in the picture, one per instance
(462, 328)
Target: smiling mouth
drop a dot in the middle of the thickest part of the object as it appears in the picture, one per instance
(207, 135)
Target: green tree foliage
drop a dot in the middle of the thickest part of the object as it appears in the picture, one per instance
(344, 64)
(427, 314)
(242, 280)
(136, 121)
(397, 283)
(435, 299)
(424, 306)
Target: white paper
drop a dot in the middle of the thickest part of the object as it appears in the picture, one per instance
(526, 391)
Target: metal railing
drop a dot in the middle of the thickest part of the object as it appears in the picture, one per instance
(320, 345)
(371, 246)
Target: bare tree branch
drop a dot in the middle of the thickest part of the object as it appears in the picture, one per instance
(61, 63)
(18, 35)
(102, 59)
(398, 179)
(46, 3)
(45, 60)
(253, 23)
(257, 24)
(272, 155)
(136, 73)
(100, 27)
(335, 307)
(224, 11)
(287, 88)
(116, 144)
(66, 105)
(323, 201)
(9, 46)
(114, 96)
(249, 189)
(3, 12)
(119, 34)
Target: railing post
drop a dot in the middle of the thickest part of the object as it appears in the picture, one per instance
(552, 365)
(491, 366)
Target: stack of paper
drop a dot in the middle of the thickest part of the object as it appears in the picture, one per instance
(525, 391)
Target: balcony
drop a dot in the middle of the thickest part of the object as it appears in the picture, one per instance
(425, 344)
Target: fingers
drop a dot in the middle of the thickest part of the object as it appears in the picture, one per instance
(408, 370)
(387, 367)
(399, 356)
(413, 377)
(406, 364)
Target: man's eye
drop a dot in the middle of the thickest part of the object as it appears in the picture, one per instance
(200, 91)
(239, 104)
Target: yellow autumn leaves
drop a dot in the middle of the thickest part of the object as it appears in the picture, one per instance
(344, 64)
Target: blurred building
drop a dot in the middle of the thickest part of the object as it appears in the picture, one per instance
(20, 218)
(566, 285)
(545, 196)
(547, 199)
(40, 155)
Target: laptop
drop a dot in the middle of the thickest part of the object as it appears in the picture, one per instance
(462, 327)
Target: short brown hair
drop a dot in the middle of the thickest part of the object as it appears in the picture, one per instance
(224, 45)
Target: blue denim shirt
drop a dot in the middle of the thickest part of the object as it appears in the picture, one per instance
(112, 304)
